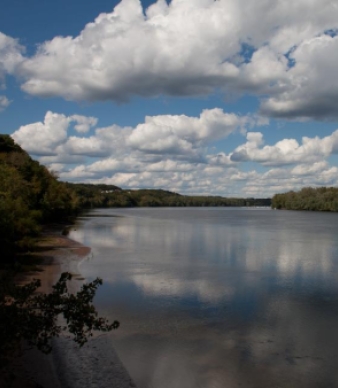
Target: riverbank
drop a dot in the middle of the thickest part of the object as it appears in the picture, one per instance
(68, 366)
(56, 254)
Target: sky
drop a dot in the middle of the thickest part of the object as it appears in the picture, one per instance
(210, 97)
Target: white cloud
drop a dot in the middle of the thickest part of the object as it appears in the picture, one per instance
(327, 177)
(10, 56)
(43, 138)
(220, 159)
(265, 73)
(87, 146)
(171, 165)
(126, 160)
(182, 134)
(195, 47)
(176, 49)
(51, 136)
(77, 173)
(311, 86)
(309, 169)
(168, 134)
(127, 164)
(4, 103)
(84, 123)
(286, 151)
(204, 179)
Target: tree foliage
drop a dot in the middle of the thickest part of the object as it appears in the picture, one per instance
(112, 196)
(29, 196)
(309, 198)
(38, 317)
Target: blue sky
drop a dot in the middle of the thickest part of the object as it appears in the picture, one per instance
(193, 96)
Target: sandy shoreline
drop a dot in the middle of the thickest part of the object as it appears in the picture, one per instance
(58, 254)
(68, 366)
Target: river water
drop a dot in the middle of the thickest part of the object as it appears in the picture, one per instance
(218, 297)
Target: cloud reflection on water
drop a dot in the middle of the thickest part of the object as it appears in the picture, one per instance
(232, 297)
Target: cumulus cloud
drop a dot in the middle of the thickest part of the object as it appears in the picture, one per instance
(83, 123)
(286, 151)
(311, 85)
(88, 146)
(174, 49)
(140, 158)
(279, 180)
(309, 169)
(196, 47)
(42, 138)
(183, 134)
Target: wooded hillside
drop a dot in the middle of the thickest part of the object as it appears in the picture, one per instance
(113, 196)
(29, 196)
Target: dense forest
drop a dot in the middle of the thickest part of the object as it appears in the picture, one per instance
(320, 199)
(31, 196)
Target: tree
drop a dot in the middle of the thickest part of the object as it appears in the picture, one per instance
(35, 317)
(308, 198)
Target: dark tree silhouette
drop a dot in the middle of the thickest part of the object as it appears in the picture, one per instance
(36, 317)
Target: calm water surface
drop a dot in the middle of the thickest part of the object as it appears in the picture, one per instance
(218, 297)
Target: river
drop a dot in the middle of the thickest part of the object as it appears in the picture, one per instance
(218, 297)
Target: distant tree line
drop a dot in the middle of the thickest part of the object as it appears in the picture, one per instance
(91, 196)
(309, 198)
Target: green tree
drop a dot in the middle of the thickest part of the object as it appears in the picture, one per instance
(308, 198)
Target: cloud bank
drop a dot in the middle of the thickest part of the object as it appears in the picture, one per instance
(191, 48)
(176, 153)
